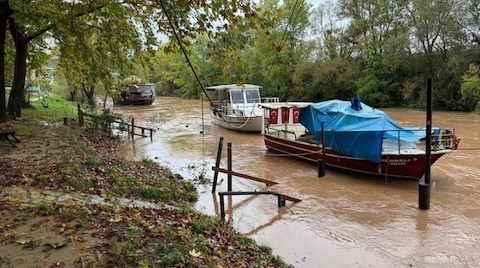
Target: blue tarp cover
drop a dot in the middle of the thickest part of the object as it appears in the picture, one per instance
(359, 133)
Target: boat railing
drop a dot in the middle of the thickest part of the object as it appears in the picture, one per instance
(219, 106)
(270, 99)
(283, 133)
(441, 139)
(446, 139)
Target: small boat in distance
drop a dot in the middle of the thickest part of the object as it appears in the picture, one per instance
(239, 110)
(357, 138)
(138, 94)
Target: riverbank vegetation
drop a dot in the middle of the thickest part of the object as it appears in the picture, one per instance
(383, 50)
(66, 200)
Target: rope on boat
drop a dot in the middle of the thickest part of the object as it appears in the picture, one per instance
(242, 125)
(248, 118)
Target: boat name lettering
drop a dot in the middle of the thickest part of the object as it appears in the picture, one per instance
(397, 162)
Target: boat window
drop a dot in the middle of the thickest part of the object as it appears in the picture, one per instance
(237, 96)
(253, 96)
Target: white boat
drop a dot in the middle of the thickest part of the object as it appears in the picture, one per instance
(239, 110)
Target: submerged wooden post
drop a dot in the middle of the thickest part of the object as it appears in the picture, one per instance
(229, 165)
(424, 187)
(222, 208)
(217, 164)
(133, 127)
(321, 159)
(281, 201)
(65, 121)
(203, 121)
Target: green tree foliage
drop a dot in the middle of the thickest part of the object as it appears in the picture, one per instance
(101, 35)
(381, 49)
(471, 88)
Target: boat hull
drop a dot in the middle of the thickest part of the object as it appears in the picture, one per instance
(407, 166)
(246, 123)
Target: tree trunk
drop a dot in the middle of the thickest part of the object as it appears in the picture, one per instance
(17, 95)
(89, 92)
(3, 31)
(72, 89)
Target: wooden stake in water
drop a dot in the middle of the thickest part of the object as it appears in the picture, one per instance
(203, 122)
(217, 164)
(229, 165)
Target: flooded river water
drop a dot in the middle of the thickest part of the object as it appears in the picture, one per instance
(343, 220)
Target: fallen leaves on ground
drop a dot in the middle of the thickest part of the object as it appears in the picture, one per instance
(173, 234)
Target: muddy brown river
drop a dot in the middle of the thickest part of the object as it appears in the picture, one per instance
(344, 219)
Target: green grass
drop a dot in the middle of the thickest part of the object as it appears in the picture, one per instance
(80, 184)
(58, 108)
(150, 192)
(42, 179)
(201, 224)
(46, 209)
(67, 213)
(112, 171)
(148, 162)
(92, 161)
(72, 168)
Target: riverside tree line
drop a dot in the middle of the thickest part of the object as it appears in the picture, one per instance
(381, 49)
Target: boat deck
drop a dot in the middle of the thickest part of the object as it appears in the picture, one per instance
(392, 147)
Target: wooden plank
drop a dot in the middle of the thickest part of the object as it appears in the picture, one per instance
(245, 176)
(289, 198)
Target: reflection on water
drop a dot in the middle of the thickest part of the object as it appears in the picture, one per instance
(344, 220)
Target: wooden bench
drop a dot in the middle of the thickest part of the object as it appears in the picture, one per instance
(5, 132)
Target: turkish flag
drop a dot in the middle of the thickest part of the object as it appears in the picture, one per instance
(273, 116)
(296, 115)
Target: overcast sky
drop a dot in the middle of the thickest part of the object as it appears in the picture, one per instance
(315, 3)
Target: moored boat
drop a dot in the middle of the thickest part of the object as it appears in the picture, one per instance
(138, 94)
(240, 108)
(356, 138)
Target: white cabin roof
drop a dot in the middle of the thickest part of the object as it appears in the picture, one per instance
(276, 105)
(232, 86)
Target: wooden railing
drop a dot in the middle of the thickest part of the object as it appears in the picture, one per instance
(108, 122)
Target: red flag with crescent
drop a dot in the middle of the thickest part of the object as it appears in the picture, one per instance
(273, 116)
(285, 114)
(296, 115)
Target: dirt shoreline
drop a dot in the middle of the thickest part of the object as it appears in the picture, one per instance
(44, 222)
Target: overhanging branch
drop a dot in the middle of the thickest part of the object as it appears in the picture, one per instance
(53, 25)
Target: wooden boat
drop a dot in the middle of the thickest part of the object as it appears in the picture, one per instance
(138, 94)
(289, 129)
(239, 108)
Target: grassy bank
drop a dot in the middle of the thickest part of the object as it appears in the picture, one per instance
(53, 159)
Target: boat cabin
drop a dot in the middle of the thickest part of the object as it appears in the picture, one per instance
(238, 100)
